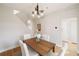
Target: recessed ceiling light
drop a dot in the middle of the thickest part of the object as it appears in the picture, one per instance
(15, 11)
(30, 27)
(29, 21)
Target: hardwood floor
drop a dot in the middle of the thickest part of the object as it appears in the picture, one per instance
(71, 51)
(13, 52)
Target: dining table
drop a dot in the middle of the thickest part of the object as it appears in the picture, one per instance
(42, 47)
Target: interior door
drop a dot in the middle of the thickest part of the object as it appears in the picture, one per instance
(69, 27)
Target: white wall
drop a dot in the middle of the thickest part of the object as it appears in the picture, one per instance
(54, 19)
(78, 29)
(11, 28)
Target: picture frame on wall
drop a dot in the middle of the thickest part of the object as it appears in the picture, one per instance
(39, 27)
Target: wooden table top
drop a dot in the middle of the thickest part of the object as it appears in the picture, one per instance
(42, 47)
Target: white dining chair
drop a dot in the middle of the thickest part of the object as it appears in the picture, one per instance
(27, 36)
(24, 48)
(61, 52)
(46, 37)
(25, 51)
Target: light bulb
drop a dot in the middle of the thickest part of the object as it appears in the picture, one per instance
(33, 15)
(29, 22)
(38, 16)
(15, 11)
(35, 12)
(41, 14)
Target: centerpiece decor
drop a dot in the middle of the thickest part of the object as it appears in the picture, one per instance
(38, 37)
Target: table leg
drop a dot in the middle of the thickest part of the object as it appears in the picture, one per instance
(53, 48)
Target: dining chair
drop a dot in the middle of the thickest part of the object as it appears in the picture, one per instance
(24, 48)
(27, 36)
(46, 37)
(61, 52)
(25, 51)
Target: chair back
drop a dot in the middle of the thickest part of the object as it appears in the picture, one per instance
(63, 50)
(46, 37)
(61, 53)
(24, 48)
(27, 36)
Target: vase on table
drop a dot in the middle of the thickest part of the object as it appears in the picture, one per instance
(38, 36)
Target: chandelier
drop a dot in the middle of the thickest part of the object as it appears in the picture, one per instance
(37, 12)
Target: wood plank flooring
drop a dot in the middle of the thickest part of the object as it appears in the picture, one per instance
(13, 52)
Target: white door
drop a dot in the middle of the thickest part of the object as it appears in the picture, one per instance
(69, 30)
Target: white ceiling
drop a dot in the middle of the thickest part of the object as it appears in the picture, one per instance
(48, 7)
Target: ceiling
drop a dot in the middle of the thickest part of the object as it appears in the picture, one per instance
(28, 7)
